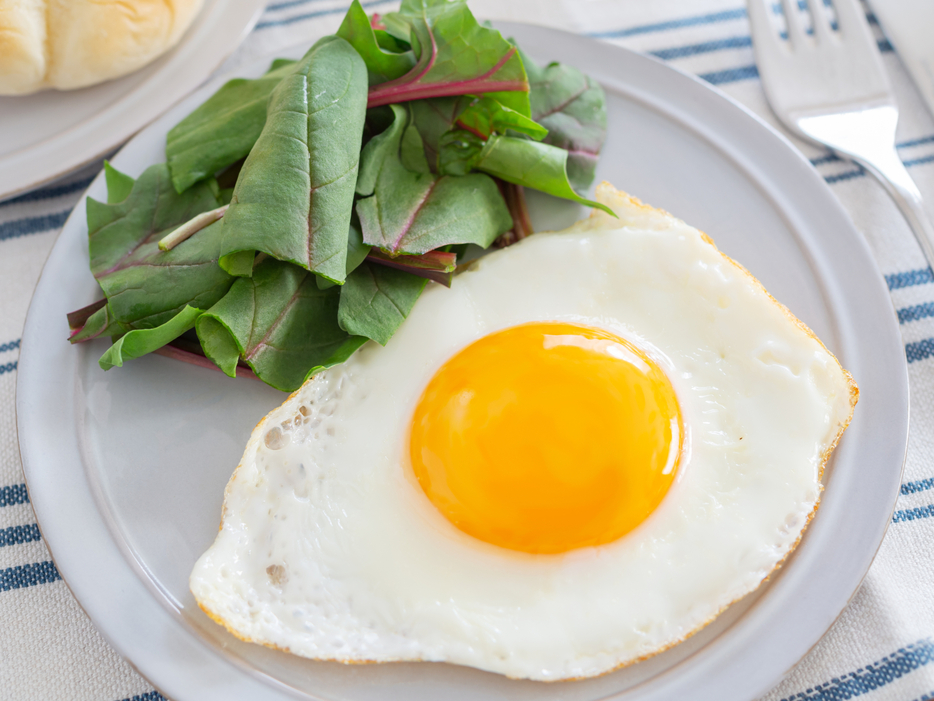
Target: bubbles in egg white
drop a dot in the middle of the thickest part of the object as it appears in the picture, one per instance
(330, 549)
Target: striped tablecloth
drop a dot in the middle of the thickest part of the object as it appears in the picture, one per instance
(882, 647)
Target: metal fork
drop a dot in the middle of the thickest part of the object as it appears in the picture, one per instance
(832, 89)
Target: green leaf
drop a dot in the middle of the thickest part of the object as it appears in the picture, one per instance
(459, 152)
(531, 164)
(142, 341)
(100, 323)
(412, 150)
(294, 196)
(278, 63)
(433, 119)
(456, 56)
(119, 185)
(146, 287)
(223, 129)
(375, 301)
(397, 27)
(390, 43)
(381, 65)
(435, 265)
(485, 116)
(279, 322)
(217, 343)
(378, 149)
(340, 355)
(239, 263)
(417, 212)
(357, 252)
(573, 108)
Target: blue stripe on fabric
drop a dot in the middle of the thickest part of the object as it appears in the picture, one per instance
(311, 15)
(14, 494)
(919, 350)
(915, 313)
(47, 193)
(11, 345)
(918, 486)
(730, 75)
(829, 158)
(909, 278)
(696, 20)
(15, 535)
(28, 575)
(703, 48)
(711, 18)
(737, 42)
(148, 696)
(918, 161)
(859, 172)
(927, 697)
(916, 142)
(872, 676)
(832, 158)
(32, 225)
(8, 367)
(913, 514)
(288, 4)
(847, 175)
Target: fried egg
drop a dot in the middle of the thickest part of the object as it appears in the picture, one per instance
(573, 459)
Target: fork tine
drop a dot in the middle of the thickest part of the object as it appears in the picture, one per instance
(795, 32)
(852, 19)
(764, 34)
(819, 20)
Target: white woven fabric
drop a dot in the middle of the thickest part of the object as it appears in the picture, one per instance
(881, 648)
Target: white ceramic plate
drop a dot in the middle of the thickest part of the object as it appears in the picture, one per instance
(51, 133)
(126, 469)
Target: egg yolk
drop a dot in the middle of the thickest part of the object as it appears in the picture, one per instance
(547, 437)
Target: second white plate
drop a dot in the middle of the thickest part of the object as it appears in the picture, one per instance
(128, 493)
(53, 132)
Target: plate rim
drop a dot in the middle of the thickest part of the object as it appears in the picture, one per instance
(652, 689)
(238, 17)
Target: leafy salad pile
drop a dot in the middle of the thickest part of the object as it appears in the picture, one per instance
(301, 213)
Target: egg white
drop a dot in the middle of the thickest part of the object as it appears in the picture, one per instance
(329, 549)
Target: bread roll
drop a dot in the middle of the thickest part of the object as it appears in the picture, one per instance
(69, 44)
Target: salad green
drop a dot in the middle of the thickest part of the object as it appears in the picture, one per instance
(302, 212)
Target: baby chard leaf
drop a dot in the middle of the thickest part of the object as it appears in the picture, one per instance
(142, 341)
(417, 212)
(294, 196)
(223, 129)
(573, 108)
(146, 287)
(357, 252)
(394, 25)
(376, 299)
(456, 56)
(278, 320)
(459, 152)
(531, 164)
(378, 149)
(434, 118)
(100, 322)
(381, 65)
(119, 185)
(436, 265)
(485, 116)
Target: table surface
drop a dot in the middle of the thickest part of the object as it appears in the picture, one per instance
(881, 648)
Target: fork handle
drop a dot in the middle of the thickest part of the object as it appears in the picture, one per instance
(889, 170)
